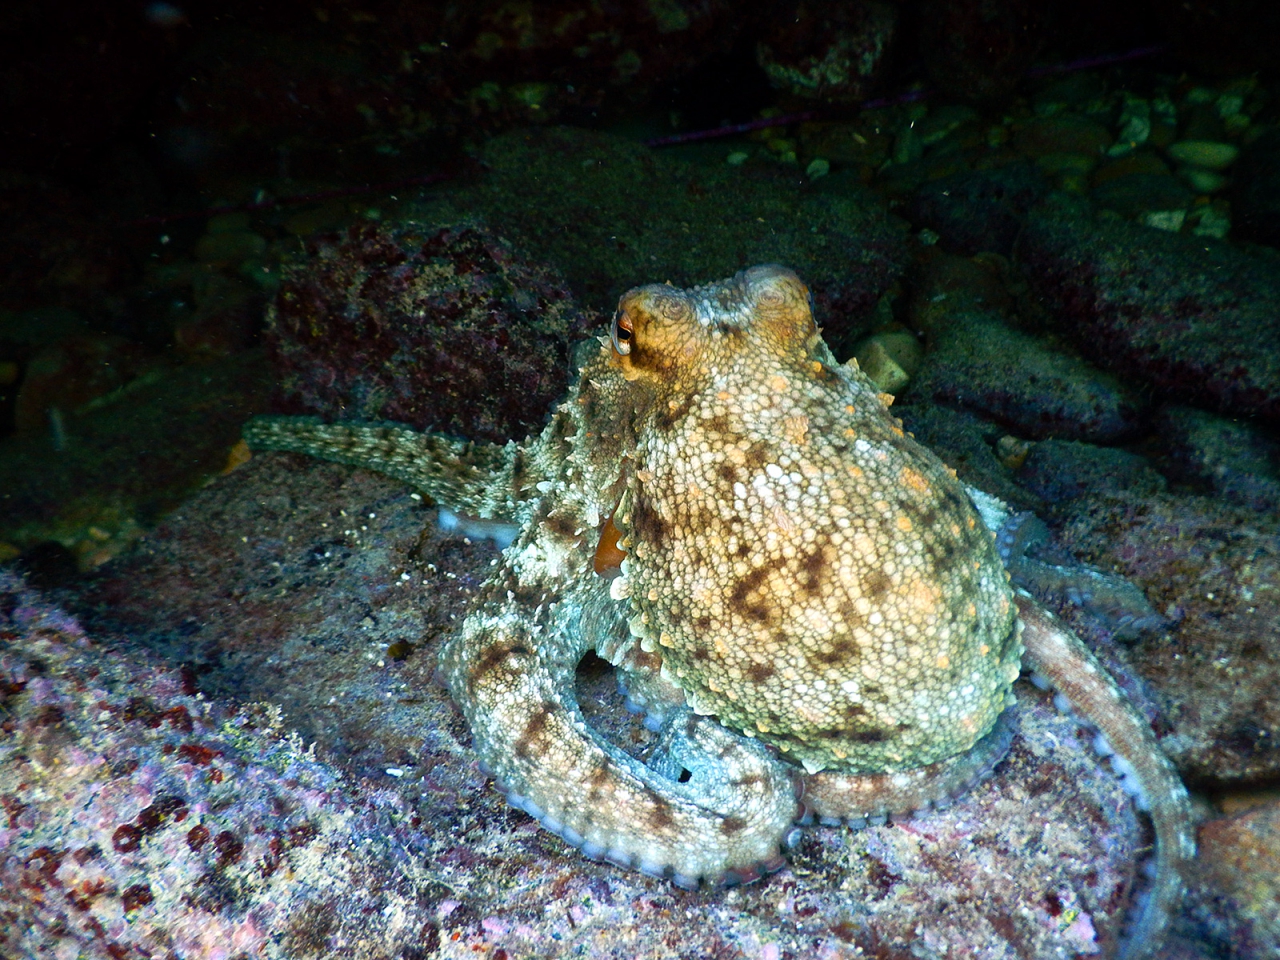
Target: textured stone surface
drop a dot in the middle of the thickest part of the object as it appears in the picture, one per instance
(979, 210)
(439, 327)
(1060, 470)
(977, 362)
(639, 215)
(1235, 459)
(122, 463)
(1238, 896)
(238, 586)
(1191, 316)
(1214, 571)
(833, 53)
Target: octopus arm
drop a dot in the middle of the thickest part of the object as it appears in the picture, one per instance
(479, 479)
(858, 799)
(723, 823)
(1057, 655)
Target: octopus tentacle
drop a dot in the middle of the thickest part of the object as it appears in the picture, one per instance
(641, 682)
(515, 687)
(1051, 574)
(471, 477)
(858, 799)
(1054, 651)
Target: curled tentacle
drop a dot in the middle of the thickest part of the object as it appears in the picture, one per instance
(515, 686)
(861, 798)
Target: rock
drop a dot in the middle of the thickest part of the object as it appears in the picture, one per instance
(1192, 318)
(639, 216)
(72, 372)
(967, 444)
(357, 99)
(847, 142)
(943, 120)
(1138, 194)
(1209, 154)
(227, 317)
(438, 327)
(1237, 893)
(835, 53)
(941, 284)
(978, 211)
(975, 361)
(979, 361)
(1212, 570)
(1255, 192)
(319, 600)
(890, 358)
(1203, 181)
(229, 247)
(1058, 471)
(1138, 162)
(1062, 133)
(1233, 458)
(123, 463)
(170, 824)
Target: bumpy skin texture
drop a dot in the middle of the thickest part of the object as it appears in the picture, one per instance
(804, 598)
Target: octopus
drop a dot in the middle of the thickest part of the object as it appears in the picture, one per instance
(808, 605)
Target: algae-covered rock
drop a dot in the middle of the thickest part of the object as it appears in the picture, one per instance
(1192, 317)
(978, 211)
(609, 214)
(978, 362)
(389, 817)
(442, 327)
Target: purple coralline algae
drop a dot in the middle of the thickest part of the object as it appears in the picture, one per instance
(437, 327)
(1193, 317)
(1212, 570)
(276, 582)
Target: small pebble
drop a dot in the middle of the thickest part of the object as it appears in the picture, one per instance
(1213, 223)
(1170, 220)
(1012, 452)
(1201, 180)
(1210, 154)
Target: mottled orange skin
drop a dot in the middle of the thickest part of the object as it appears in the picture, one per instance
(810, 575)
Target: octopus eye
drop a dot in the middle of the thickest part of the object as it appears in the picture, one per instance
(622, 333)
